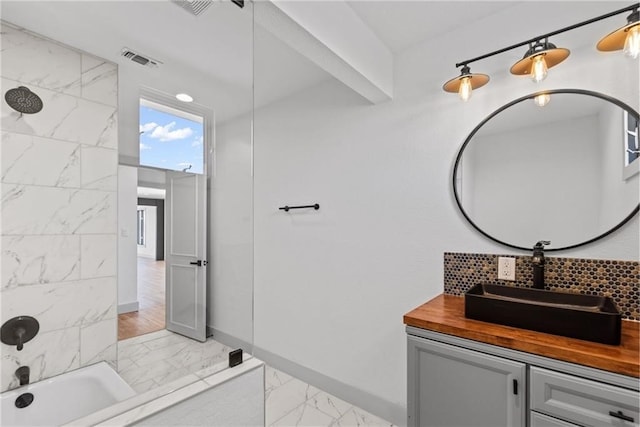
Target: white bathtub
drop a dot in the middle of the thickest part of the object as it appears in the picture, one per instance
(65, 397)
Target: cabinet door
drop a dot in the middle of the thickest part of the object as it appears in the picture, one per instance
(456, 387)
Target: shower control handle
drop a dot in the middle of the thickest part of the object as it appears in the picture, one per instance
(19, 330)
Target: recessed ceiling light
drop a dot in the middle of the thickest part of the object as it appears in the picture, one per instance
(184, 97)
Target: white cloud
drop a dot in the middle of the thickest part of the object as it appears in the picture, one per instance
(148, 126)
(144, 147)
(197, 142)
(165, 133)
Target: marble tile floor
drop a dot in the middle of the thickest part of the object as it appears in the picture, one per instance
(155, 359)
(291, 402)
(151, 360)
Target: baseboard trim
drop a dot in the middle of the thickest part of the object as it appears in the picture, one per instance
(128, 307)
(229, 340)
(365, 400)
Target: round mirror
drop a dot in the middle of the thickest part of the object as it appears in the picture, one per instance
(566, 171)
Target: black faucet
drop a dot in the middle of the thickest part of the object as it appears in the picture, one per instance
(538, 264)
(23, 374)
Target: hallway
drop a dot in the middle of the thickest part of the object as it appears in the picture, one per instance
(150, 316)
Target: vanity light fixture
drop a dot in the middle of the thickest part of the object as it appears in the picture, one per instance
(626, 38)
(540, 56)
(465, 83)
(184, 97)
(543, 55)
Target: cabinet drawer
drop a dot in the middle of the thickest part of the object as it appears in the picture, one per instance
(581, 401)
(541, 420)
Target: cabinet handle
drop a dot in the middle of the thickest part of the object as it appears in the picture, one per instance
(515, 387)
(621, 415)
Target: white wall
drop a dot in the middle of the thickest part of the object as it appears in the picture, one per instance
(59, 182)
(542, 183)
(148, 250)
(127, 242)
(331, 286)
(153, 178)
(230, 291)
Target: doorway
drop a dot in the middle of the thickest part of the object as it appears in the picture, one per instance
(150, 316)
(150, 240)
(167, 294)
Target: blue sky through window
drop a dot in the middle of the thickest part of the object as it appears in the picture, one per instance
(169, 141)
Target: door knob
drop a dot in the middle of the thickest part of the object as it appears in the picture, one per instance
(199, 263)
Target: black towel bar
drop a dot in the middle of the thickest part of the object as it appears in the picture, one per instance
(286, 208)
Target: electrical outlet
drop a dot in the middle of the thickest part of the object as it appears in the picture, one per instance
(506, 268)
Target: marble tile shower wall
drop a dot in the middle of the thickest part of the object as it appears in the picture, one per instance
(58, 225)
(617, 279)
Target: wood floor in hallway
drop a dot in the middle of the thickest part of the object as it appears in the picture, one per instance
(151, 296)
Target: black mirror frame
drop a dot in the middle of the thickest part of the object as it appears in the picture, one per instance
(504, 107)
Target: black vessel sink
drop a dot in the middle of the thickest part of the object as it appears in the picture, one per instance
(587, 317)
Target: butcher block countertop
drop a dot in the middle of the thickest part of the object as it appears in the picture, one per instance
(445, 314)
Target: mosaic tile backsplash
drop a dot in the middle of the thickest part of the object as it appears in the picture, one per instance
(619, 280)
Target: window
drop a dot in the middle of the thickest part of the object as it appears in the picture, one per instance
(631, 148)
(141, 228)
(631, 133)
(171, 138)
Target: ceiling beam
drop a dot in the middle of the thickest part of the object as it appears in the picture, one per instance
(331, 35)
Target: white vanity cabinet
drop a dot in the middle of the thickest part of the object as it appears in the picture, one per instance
(456, 387)
(459, 382)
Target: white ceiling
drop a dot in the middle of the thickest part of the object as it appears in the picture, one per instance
(216, 43)
(400, 24)
(209, 56)
(213, 58)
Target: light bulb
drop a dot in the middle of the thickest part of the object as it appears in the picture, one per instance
(542, 99)
(465, 89)
(539, 69)
(632, 43)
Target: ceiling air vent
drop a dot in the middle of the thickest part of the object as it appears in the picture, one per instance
(195, 7)
(140, 59)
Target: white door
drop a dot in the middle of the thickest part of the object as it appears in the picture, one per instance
(186, 254)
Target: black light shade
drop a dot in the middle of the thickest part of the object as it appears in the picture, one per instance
(552, 56)
(476, 80)
(616, 39)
